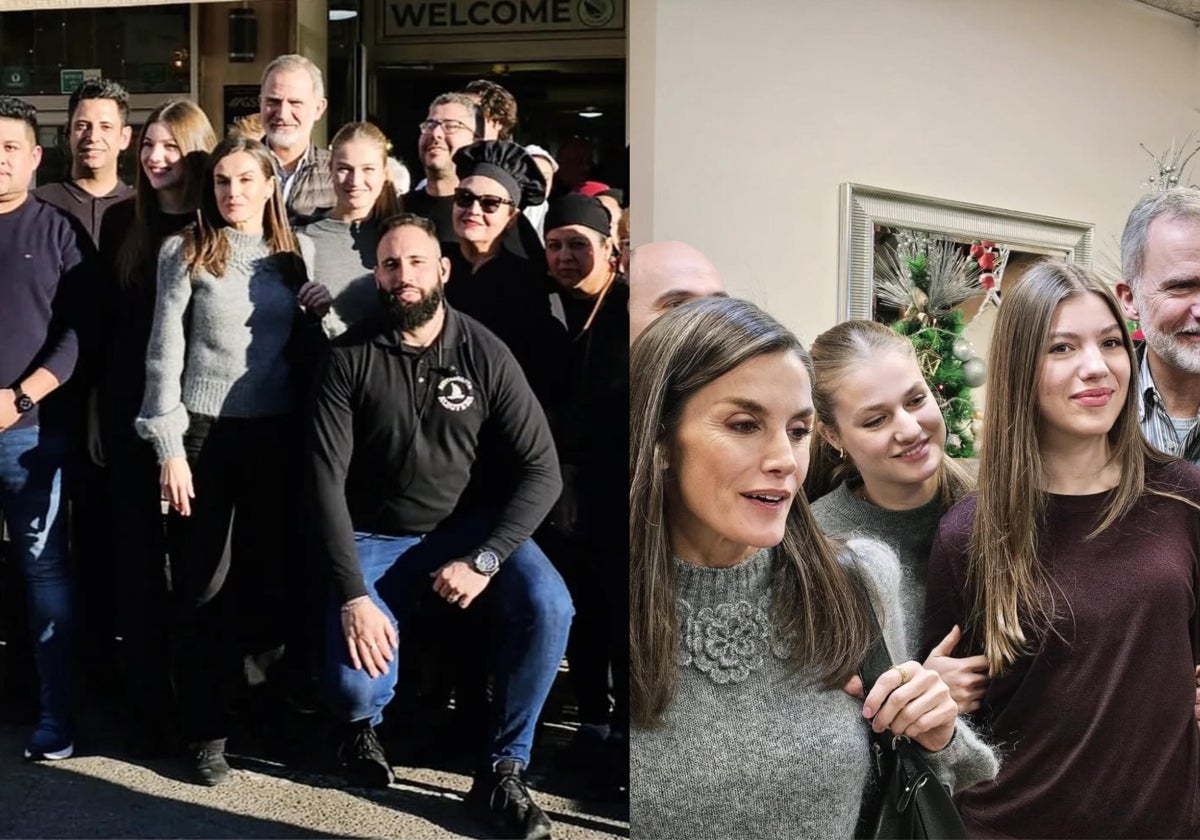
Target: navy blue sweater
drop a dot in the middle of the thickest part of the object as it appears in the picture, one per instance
(44, 254)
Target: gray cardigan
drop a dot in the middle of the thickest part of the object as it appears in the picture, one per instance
(231, 360)
(748, 749)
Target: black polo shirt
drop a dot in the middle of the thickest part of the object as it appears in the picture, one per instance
(398, 433)
(87, 208)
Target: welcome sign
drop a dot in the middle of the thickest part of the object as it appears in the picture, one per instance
(407, 19)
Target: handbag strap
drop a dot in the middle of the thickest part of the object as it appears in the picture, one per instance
(877, 660)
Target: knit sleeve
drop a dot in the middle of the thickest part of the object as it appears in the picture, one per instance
(163, 418)
(966, 760)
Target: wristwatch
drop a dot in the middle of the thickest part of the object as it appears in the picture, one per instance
(23, 400)
(486, 562)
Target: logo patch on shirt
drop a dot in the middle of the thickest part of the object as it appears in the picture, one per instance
(456, 393)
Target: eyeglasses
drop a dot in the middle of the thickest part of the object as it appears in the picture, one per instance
(487, 203)
(447, 126)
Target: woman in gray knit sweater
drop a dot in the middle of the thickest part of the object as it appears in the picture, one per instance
(747, 625)
(344, 241)
(220, 390)
(879, 469)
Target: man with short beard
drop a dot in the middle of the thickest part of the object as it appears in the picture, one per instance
(408, 409)
(1160, 288)
(450, 126)
(291, 101)
(98, 133)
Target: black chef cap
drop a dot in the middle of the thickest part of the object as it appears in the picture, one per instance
(578, 209)
(507, 163)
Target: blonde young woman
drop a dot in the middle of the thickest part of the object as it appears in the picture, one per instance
(746, 622)
(880, 469)
(220, 392)
(172, 152)
(344, 241)
(1075, 573)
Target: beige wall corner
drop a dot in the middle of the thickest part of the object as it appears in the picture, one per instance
(642, 94)
(275, 37)
(312, 42)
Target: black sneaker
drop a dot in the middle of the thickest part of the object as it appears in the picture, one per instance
(209, 766)
(363, 761)
(504, 801)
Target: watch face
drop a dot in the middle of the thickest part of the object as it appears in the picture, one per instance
(24, 404)
(486, 562)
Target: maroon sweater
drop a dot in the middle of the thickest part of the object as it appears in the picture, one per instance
(1096, 728)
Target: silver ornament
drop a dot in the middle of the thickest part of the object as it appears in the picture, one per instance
(962, 350)
(974, 372)
(953, 440)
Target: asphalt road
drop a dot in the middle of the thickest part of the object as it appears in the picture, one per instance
(101, 792)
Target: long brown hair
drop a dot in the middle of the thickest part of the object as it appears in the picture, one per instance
(193, 134)
(1008, 585)
(206, 247)
(835, 354)
(387, 204)
(817, 604)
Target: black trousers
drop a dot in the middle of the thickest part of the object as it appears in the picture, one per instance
(228, 566)
(140, 579)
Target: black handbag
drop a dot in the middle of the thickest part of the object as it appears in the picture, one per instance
(904, 798)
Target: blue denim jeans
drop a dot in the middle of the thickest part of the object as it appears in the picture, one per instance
(31, 469)
(528, 611)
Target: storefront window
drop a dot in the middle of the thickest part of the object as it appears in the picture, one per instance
(50, 53)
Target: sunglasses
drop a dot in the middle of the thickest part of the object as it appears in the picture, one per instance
(487, 203)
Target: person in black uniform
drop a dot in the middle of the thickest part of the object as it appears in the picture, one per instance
(504, 289)
(408, 408)
(588, 533)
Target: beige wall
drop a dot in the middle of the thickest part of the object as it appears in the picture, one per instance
(747, 116)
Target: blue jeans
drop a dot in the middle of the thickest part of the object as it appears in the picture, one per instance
(31, 469)
(527, 607)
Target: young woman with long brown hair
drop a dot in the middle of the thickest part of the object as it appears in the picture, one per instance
(173, 151)
(1075, 573)
(746, 622)
(879, 469)
(220, 391)
(344, 241)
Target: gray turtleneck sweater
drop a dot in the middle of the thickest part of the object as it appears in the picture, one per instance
(217, 346)
(909, 533)
(748, 749)
(344, 262)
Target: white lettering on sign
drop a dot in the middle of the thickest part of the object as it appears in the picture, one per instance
(409, 18)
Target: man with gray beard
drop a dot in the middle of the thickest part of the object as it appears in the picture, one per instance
(1160, 288)
(291, 101)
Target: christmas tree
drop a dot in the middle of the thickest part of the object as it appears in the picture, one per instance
(926, 278)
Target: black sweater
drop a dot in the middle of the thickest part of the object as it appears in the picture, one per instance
(390, 454)
(46, 263)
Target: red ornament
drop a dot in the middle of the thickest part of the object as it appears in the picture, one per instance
(1138, 335)
(988, 281)
(988, 261)
(976, 251)
(987, 243)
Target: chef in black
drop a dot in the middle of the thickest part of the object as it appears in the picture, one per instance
(506, 291)
(406, 412)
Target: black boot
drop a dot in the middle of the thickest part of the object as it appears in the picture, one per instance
(504, 802)
(362, 759)
(208, 763)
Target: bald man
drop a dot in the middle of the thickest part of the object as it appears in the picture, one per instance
(663, 275)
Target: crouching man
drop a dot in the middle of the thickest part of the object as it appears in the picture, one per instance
(408, 411)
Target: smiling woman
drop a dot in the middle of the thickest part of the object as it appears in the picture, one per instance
(1072, 575)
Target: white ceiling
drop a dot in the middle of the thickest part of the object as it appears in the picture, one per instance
(1189, 9)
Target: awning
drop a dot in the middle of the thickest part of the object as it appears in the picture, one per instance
(68, 5)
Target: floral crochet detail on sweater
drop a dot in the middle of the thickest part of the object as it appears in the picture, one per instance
(729, 641)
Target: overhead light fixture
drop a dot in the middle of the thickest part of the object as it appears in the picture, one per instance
(590, 113)
(342, 14)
